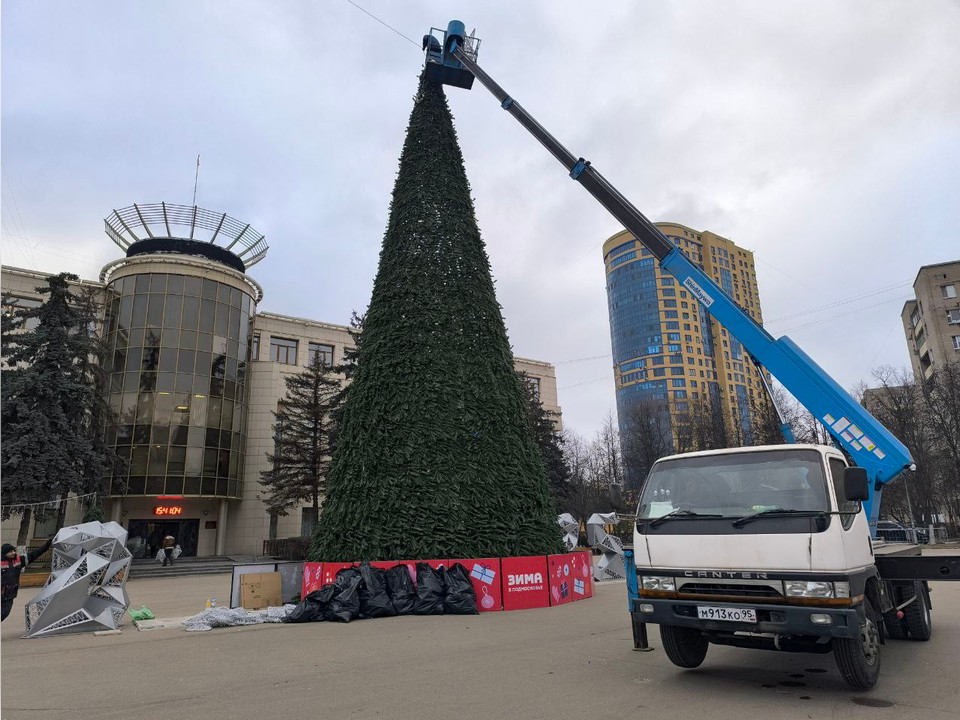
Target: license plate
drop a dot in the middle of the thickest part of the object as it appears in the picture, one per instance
(708, 612)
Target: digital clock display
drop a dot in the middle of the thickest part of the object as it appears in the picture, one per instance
(168, 510)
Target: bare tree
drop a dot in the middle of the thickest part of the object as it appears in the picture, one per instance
(941, 396)
(647, 438)
(593, 467)
(899, 403)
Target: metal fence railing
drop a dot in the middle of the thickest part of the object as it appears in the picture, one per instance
(294, 548)
(904, 535)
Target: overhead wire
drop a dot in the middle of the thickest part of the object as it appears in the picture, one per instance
(809, 311)
(585, 382)
(19, 234)
(392, 29)
(837, 303)
(850, 312)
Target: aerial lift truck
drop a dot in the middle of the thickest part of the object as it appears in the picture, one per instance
(764, 547)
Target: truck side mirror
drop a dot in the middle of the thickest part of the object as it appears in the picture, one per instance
(855, 485)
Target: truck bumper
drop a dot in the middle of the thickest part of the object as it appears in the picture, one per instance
(775, 619)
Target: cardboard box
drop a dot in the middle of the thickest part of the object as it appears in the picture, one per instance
(260, 590)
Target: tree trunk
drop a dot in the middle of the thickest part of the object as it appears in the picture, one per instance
(61, 511)
(24, 526)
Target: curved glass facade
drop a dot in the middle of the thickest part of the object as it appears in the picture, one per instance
(635, 331)
(176, 368)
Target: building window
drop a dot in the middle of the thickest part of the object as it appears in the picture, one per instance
(324, 352)
(255, 347)
(14, 303)
(956, 342)
(534, 384)
(948, 291)
(953, 317)
(283, 351)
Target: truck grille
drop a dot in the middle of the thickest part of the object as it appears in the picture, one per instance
(741, 589)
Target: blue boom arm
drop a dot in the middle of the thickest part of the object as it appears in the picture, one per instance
(870, 444)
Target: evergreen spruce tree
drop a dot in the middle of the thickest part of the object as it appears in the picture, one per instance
(345, 369)
(302, 435)
(434, 456)
(53, 407)
(544, 429)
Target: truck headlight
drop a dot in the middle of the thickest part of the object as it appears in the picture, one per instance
(841, 589)
(658, 582)
(810, 589)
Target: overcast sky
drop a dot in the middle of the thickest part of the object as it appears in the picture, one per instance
(824, 137)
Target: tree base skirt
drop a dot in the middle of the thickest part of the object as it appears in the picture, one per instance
(510, 583)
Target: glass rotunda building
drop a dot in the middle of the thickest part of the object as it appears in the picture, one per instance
(177, 333)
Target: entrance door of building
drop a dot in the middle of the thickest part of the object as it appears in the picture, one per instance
(145, 537)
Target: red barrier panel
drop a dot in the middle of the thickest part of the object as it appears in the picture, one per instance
(485, 576)
(312, 578)
(583, 584)
(564, 570)
(524, 582)
(513, 583)
(330, 571)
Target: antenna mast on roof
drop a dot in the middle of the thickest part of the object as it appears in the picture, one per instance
(196, 178)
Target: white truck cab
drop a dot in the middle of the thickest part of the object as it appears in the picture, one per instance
(760, 547)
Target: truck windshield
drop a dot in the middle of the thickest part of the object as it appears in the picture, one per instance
(735, 485)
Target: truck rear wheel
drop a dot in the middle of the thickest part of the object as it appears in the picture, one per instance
(859, 658)
(917, 613)
(685, 647)
(896, 628)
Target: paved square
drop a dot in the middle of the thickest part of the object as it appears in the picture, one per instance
(573, 661)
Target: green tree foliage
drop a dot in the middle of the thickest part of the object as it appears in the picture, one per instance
(550, 441)
(345, 369)
(53, 409)
(302, 437)
(434, 456)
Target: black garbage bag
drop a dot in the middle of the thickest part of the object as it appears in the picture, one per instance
(460, 598)
(313, 607)
(430, 591)
(403, 593)
(374, 598)
(345, 605)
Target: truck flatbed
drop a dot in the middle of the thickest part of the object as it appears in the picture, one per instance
(904, 561)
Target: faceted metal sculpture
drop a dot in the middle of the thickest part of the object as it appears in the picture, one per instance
(610, 565)
(86, 589)
(571, 531)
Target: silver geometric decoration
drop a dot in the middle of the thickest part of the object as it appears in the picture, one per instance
(86, 589)
(610, 565)
(571, 531)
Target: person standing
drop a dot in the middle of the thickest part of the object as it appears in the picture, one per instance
(12, 566)
(169, 543)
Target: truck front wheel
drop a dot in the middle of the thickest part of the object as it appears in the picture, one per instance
(859, 658)
(685, 647)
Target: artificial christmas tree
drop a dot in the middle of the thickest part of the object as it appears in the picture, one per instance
(434, 456)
